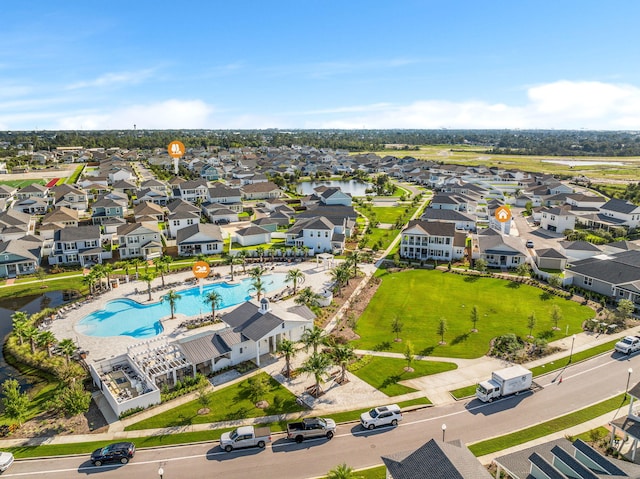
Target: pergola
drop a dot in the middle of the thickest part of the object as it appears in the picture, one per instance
(629, 425)
(159, 359)
(327, 260)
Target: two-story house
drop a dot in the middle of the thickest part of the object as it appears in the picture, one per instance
(70, 196)
(225, 195)
(139, 241)
(81, 245)
(557, 218)
(424, 240)
(194, 191)
(105, 208)
(20, 256)
(200, 238)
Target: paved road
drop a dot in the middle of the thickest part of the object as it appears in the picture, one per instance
(583, 384)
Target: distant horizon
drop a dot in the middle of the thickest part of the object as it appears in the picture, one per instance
(328, 65)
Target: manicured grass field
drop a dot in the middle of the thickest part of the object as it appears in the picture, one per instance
(21, 183)
(385, 373)
(389, 214)
(226, 404)
(419, 298)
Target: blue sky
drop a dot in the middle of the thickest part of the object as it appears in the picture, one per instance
(320, 64)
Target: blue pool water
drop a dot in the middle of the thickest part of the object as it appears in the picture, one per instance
(124, 317)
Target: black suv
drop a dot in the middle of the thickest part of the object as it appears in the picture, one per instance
(120, 452)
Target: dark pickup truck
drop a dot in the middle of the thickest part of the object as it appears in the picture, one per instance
(311, 427)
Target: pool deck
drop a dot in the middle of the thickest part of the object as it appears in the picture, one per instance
(316, 276)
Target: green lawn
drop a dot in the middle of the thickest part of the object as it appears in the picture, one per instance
(21, 183)
(36, 288)
(549, 427)
(226, 404)
(389, 214)
(419, 298)
(385, 373)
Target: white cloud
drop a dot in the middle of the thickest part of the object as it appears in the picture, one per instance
(561, 105)
(189, 114)
(113, 78)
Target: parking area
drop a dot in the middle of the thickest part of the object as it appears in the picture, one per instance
(528, 232)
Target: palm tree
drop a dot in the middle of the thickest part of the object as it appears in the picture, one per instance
(341, 472)
(260, 251)
(20, 323)
(288, 349)
(67, 347)
(308, 298)
(342, 354)
(340, 276)
(242, 256)
(47, 340)
(99, 272)
(107, 271)
(296, 277)
(353, 259)
(257, 285)
(148, 277)
(137, 262)
(162, 265)
(312, 338)
(173, 298)
(257, 272)
(31, 333)
(215, 299)
(231, 260)
(90, 280)
(316, 365)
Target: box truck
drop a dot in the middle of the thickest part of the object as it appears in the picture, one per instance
(504, 382)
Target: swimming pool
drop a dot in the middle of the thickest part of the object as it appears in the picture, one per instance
(124, 317)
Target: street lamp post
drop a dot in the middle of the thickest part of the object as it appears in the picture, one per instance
(626, 389)
(444, 429)
(573, 340)
(160, 472)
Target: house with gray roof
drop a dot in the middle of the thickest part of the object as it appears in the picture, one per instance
(70, 196)
(200, 238)
(560, 459)
(425, 240)
(151, 195)
(225, 195)
(252, 235)
(316, 233)
(462, 221)
(106, 208)
(59, 218)
(577, 250)
(20, 256)
(616, 276)
(216, 212)
(15, 224)
(435, 460)
(550, 258)
(499, 251)
(33, 205)
(624, 211)
(139, 240)
(81, 245)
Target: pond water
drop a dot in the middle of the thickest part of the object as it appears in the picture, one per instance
(584, 162)
(353, 187)
(125, 317)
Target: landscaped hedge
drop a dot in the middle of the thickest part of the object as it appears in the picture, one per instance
(360, 363)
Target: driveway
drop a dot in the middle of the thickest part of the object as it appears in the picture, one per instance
(526, 231)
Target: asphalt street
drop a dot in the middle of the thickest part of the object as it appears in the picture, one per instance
(582, 384)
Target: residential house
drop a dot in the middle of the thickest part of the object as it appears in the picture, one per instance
(33, 205)
(127, 187)
(629, 428)
(106, 208)
(316, 233)
(578, 250)
(225, 195)
(20, 256)
(252, 235)
(7, 192)
(260, 191)
(139, 241)
(462, 221)
(615, 276)
(499, 251)
(550, 259)
(61, 217)
(70, 196)
(435, 460)
(218, 213)
(152, 196)
(155, 185)
(334, 196)
(557, 219)
(200, 238)
(148, 212)
(622, 210)
(560, 459)
(15, 224)
(253, 330)
(194, 191)
(81, 245)
(34, 190)
(425, 240)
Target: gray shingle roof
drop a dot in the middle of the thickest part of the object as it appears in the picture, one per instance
(615, 269)
(79, 233)
(436, 460)
(619, 206)
(250, 322)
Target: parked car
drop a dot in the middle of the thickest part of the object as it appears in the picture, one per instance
(311, 427)
(529, 244)
(121, 452)
(381, 416)
(6, 459)
(245, 436)
(222, 221)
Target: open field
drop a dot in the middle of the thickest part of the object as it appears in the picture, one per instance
(22, 183)
(476, 155)
(419, 298)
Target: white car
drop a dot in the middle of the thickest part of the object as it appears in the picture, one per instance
(6, 459)
(529, 244)
(381, 416)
